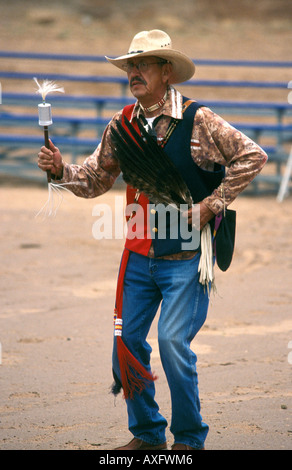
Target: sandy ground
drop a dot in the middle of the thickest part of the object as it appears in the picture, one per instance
(57, 294)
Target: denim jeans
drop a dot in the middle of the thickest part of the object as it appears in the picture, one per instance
(184, 303)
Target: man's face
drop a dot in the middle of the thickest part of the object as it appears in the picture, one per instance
(148, 78)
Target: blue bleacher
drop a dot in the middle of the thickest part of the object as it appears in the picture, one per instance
(272, 127)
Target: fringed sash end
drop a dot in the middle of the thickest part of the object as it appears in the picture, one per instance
(206, 265)
(134, 376)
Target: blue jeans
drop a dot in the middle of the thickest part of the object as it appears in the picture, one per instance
(184, 304)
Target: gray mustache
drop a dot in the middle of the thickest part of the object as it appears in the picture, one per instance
(137, 79)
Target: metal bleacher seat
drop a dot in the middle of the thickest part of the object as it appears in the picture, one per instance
(80, 119)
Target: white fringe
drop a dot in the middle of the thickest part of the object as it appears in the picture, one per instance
(47, 87)
(206, 265)
(55, 199)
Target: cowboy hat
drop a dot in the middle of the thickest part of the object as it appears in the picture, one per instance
(157, 43)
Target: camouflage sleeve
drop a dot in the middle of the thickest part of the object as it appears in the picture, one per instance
(98, 172)
(216, 141)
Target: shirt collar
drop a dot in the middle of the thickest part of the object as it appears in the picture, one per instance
(172, 106)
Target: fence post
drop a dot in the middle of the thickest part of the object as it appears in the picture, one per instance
(286, 178)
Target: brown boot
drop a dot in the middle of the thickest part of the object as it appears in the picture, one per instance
(184, 447)
(138, 444)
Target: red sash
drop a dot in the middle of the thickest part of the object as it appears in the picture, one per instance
(138, 239)
(134, 377)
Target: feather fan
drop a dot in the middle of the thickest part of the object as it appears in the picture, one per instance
(147, 167)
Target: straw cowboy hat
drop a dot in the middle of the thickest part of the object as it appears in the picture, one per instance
(157, 43)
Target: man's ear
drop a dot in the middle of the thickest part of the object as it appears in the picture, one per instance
(166, 72)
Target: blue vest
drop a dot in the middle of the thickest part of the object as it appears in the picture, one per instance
(169, 239)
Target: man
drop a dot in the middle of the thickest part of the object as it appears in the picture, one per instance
(152, 273)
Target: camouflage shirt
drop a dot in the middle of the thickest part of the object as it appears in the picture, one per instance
(213, 141)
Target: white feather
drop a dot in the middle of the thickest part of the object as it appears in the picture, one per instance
(46, 87)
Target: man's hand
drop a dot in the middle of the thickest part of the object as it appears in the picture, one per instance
(51, 159)
(205, 215)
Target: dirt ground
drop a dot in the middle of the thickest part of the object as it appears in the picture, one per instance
(57, 283)
(57, 297)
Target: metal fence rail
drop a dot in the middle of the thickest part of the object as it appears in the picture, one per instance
(272, 128)
(123, 81)
(101, 58)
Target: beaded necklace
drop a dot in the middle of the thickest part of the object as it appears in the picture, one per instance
(155, 106)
